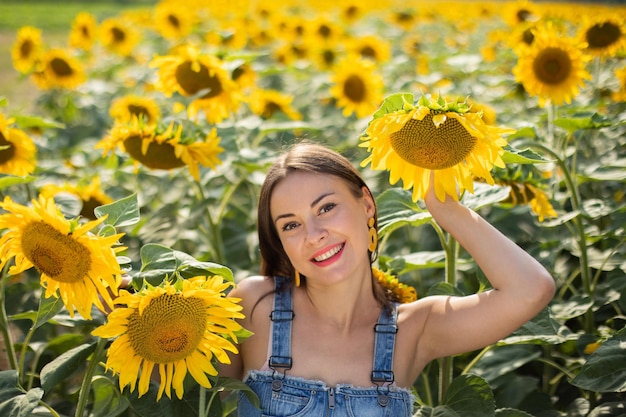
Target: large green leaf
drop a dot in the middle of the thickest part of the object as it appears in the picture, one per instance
(63, 366)
(542, 328)
(9, 385)
(107, 399)
(21, 405)
(583, 121)
(510, 412)
(470, 396)
(605, 369)
(501, 360)
(10, 180)
(121, 213)
(396, 209)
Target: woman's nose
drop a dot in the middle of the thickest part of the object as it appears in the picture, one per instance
(315, 232)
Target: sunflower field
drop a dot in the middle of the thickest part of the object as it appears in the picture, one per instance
(129, 189)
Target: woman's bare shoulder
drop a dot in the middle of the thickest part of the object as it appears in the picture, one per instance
(251, 286)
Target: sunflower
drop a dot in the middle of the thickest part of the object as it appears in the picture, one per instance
(357, 87)
(193, 74)
(173, 21)
(445, 139)
(535, 197)
(552, 67)
(267, 103)
(119, 36)
(176, 327)
(17, 150)
(58, 69)
(164, 150)
(26, 49)
(370, 47)
(123, 109)
(74, 264)
(398, 291)
(91, 195)
(83, 32)
(605, 35)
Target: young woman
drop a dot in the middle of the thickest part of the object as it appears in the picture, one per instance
(326, 340)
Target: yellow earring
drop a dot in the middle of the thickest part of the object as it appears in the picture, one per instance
(373, 235)
(296, 279)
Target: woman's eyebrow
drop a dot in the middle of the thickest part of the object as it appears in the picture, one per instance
(313, 203)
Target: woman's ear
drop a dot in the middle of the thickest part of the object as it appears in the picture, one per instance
(368, 200)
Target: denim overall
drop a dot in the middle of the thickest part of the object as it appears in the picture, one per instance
(282, 395)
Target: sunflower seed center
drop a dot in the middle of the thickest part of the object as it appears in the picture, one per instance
(58, 256)
(552, 66)
(170, 328)
(422, 144)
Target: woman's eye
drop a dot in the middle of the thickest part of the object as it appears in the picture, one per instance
(288, 226)
(327, 207)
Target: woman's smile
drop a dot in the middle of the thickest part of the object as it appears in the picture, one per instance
(328, 255)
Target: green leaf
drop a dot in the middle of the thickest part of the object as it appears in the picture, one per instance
(470, 396)
(123, 212)
(9, 385)
(572, 124)
(21, 405)
(573, 307)
(485, 195)
(48, 308)
(439, 411)
(10, 180)
(542, 328)
(445, 288)
(425, 260)
(232, 384)
(510, 412)
(193, 267)
(27, 122)
(605, 369)
(396, 209)
(392, 103)
(108, 401)
(522, 156)
(501, 360)
(63, 366)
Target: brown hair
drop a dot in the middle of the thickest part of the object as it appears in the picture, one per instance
(307, 157)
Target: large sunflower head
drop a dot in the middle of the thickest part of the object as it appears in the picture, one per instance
(26, 49)
(415, 141)
(58, 69)
(83, 33)
(552, 67)
(79, 267)
(357, 87)
(191, 73)
(163, 149)
(17, 150)
(604, 34)
(124, 109)
(178, 328)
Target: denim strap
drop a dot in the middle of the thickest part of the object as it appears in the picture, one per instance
(385, 330)
(281, 317)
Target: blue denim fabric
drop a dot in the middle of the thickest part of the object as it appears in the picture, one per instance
(282, 395)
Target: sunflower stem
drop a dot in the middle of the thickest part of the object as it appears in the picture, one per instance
(4, 322)
(21, 366)
(202, 408)
(579, 227)
(85, 388)
(215, 235)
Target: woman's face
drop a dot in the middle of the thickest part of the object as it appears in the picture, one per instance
(322, 225)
